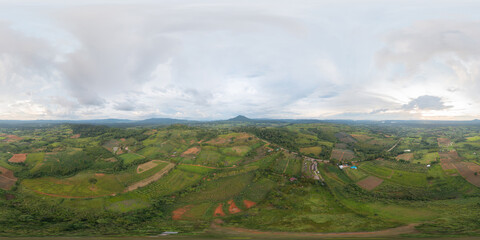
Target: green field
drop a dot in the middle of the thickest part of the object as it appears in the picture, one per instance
(257, 174)
(76, 186)
(129, 158)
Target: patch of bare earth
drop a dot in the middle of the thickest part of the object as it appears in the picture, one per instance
(342, 154)
(18, 158)
(232, 208)
(468, 170)
(370, 183)
(248, 203)
(191, 151)
(219, 211)
(147, 166)
(151, 179)
(75, 136)
(448, 159)
(13, 138)
(405, 156)
(7, 179)
(178, 213)
(444, 142)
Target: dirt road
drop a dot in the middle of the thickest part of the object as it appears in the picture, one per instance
(151, 179)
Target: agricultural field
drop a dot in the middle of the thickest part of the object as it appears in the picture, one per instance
(79, 179)
(129, 158)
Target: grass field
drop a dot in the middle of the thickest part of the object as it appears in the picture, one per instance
(174, 181)
(76, 186)
(34, 158)
(311, 150)
(221, 189)
(395, 175)
(129, 158)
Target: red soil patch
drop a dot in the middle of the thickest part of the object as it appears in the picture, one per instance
(12, 138)
(7, 179)
(370, 183)
(444, 142)
(191, 151)
(447, 159)
(468, 170)
(75, 136)
(233, 207)
(99, 174)
(405, 156)
(178, 213)
(248, 203)
(123, 139)
(219, 211)
(18, 158)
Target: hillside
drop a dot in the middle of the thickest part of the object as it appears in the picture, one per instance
(240, 179)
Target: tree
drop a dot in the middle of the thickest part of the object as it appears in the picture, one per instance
(92, 181)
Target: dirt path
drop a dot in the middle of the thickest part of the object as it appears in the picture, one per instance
(394, 145)
(151, 179)
(382, 233)
(286, 166)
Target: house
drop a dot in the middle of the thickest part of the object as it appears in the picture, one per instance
(407, 150)
(428, 165)
(342, 166)
(354, 167)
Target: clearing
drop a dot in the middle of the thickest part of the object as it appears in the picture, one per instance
(232, 208)
(148, 165)
(7, 179)
(342, 155)
(18, 158)
(178, 213)
(191, 151)
(468, 170)
(405, 156)
(370, 183)
(248, 203)
(219, 211)
(444, 142)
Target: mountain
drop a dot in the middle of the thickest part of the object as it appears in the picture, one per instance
(240, 118)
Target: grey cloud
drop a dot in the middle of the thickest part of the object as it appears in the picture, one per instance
(376, 111)
(414, 45)
(426, 102)
(125, 106)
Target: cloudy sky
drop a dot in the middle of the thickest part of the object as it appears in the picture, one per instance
(204, 59)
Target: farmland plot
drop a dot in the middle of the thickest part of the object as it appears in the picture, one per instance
(370, 183)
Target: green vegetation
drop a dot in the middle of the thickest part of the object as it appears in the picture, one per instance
(273, 177)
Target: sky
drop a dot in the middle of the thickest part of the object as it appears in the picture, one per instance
(209, 59)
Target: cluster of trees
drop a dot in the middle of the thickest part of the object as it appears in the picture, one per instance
(279, 136)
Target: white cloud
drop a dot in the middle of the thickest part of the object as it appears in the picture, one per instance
(216, 59)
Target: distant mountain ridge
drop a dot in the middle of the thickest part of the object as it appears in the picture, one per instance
(240, 119)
